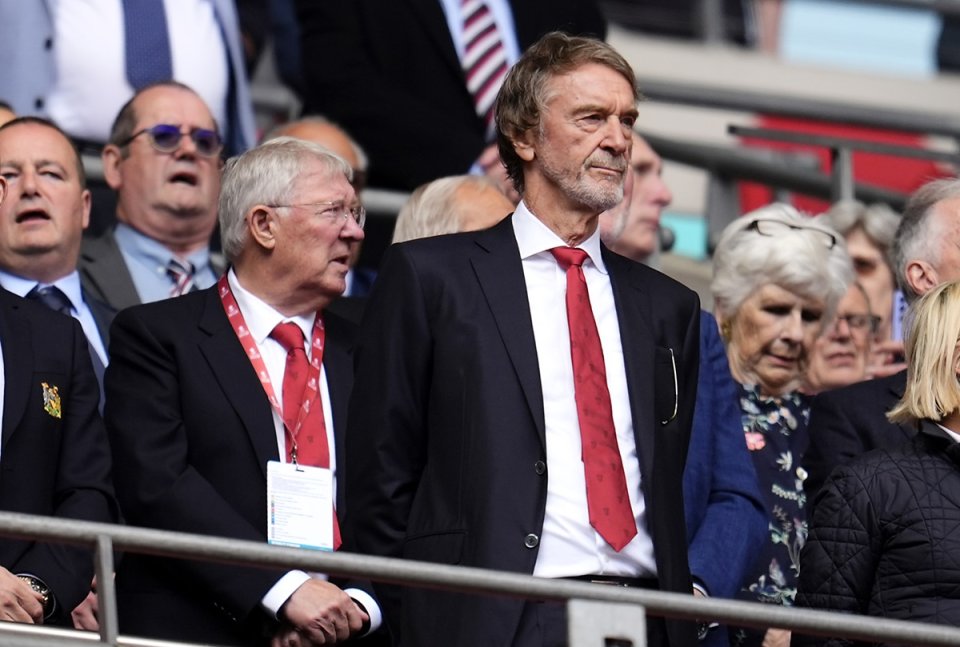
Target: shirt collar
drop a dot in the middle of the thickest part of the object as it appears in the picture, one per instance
(147, 249)
(69, 285)
(260, 317)
(953, 434)
(534, 237)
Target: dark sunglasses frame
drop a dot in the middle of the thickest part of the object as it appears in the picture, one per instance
(166, 138)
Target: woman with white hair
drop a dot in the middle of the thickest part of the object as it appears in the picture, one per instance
(778, 277)
(883, 537)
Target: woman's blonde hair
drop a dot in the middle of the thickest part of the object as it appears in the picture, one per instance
(933, 390)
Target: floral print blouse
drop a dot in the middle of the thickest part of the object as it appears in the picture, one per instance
(776, 436)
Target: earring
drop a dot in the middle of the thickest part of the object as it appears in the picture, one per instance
(725, 330)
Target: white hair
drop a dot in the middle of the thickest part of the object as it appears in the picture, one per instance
(798, 259)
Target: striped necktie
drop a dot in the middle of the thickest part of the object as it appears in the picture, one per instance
(181, 273)
(484, 59)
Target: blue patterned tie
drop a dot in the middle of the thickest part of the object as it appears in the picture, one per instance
(147, 42)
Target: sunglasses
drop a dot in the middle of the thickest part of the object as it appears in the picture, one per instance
(766, 227)
(166, 139)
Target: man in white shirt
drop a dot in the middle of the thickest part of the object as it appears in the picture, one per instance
(209, 416)
(486, 431)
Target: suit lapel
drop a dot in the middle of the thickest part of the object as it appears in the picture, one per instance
(104, 273)
(636, 337)
(500, 273)
(103, 314)
(17, 363)
(237, 380)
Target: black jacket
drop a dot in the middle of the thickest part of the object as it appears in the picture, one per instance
(883, 538)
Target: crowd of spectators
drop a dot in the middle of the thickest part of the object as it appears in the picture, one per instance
(763, 412)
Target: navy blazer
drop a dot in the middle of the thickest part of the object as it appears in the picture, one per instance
(54, 458)
(724, 510)
(446, 450)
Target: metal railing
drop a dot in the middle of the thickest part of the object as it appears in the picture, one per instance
(106, 538)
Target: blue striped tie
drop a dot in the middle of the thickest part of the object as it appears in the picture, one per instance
(147, 42)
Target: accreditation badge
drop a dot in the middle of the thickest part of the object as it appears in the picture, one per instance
(299, 506)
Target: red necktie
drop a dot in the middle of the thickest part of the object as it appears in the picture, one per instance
(607, 500)
(484, 59)
(310, 441)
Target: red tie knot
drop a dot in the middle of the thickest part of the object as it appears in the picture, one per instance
(567, 256)
(289, 335)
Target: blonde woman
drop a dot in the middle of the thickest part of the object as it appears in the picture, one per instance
(884, 539)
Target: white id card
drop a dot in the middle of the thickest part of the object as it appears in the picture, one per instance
(299, 506)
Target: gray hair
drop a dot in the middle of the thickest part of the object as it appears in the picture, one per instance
(266, 175)
(432, 210)
(917, 238)
(797, 260)
(878, 221)
(280, 130)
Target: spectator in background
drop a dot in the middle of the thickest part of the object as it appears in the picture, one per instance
(851, 421)
(77, 63)
(6, 113)
(396, 77)
(778, 277)
(451, 204)
(320, 130)
(883, 538)
(41, 223)
(721, 498)
(56, 460)
(841, 355)
(163, 160)
(633, 227)
(869, 232)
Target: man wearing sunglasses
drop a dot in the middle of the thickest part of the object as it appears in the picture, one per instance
(163, 161)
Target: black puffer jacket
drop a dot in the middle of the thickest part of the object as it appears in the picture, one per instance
(885, 535)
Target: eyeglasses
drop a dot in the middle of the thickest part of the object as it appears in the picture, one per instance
(166, 139)
(766, 227)
(335, 211)
(860, 322)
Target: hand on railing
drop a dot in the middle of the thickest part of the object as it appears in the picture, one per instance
(19, 602)
(318, 613)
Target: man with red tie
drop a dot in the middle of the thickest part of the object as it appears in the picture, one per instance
(524, 396)
(229, 402)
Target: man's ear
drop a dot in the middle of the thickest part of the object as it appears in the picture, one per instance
(523, 144)
(87, 200)
(260, 225)
(921, 276)
(112, 156)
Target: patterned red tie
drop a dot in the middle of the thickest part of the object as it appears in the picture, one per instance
(607, 500)
(484, 59)
(310, 442)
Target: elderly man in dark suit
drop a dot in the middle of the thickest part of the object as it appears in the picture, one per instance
(474, 396)
(218, 396)
(54, 457)
(851, 421)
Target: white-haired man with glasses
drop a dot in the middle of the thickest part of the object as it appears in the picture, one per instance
(163, 160)
(227, 410)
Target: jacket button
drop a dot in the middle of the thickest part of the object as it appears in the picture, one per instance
(540, 467)
(531, 541)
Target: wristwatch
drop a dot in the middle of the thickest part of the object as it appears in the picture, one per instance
(40, 587)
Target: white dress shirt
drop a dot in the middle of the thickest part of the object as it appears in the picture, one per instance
(70, 286)
(92, 81)
(569, 545)
(261, 319)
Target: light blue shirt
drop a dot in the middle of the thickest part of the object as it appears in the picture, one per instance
(70, 286)
(147, 262)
